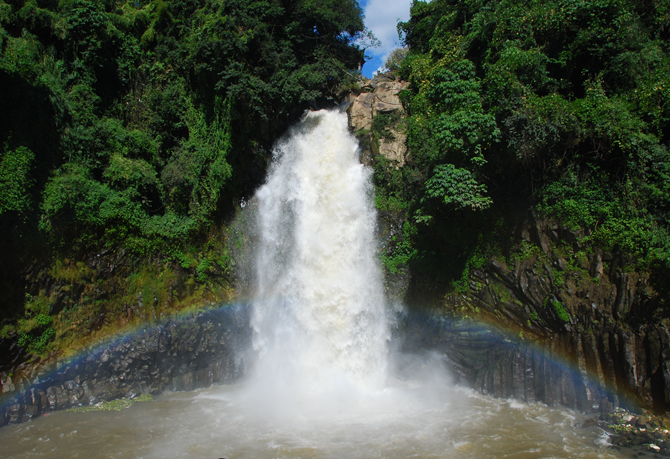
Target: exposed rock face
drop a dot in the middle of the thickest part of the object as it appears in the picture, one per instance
(381, 97)
(394, 149)
(181, 354)
(578, 331)
(360, 112)
(578, 371)
(386, 95)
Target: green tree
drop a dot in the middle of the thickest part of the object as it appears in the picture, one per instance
(561, 105)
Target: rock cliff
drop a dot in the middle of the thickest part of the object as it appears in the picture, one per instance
(546, 321)
(540, 327)
(180, 354)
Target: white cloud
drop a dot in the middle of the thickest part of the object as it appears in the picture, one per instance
(381, 17)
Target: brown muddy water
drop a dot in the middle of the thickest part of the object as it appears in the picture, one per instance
(408, 420)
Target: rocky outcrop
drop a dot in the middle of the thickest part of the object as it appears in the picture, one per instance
(626, 429)
(360, 112)
(550, 323)
(555, 320)
(380, 97)
(584, 372)
(180, 354)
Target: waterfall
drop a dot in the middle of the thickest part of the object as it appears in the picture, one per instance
(319, 315)
(319, 386)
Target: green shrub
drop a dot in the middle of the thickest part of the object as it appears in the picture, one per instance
(16, 180)
(560, 310)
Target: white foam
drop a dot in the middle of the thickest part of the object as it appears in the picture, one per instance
(320, 323)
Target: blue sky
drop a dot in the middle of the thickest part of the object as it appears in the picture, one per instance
(381, 17)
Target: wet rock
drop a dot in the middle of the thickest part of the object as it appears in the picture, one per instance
(560, 305)
(200, 350)
(591, 422)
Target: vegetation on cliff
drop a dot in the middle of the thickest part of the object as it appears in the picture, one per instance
(559, 108)
(129, 131)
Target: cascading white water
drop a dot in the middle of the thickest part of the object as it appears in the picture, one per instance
(319, 317)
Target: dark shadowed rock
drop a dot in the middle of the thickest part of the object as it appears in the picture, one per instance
(180, 354)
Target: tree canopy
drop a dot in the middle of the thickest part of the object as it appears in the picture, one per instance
(119, 115)
(558, 105)
(135, 124)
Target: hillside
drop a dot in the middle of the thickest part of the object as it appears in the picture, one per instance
(534, 192)
(129, 133)
(521, 175)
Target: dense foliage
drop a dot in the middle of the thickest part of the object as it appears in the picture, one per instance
(136, 125)
(557, 105)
